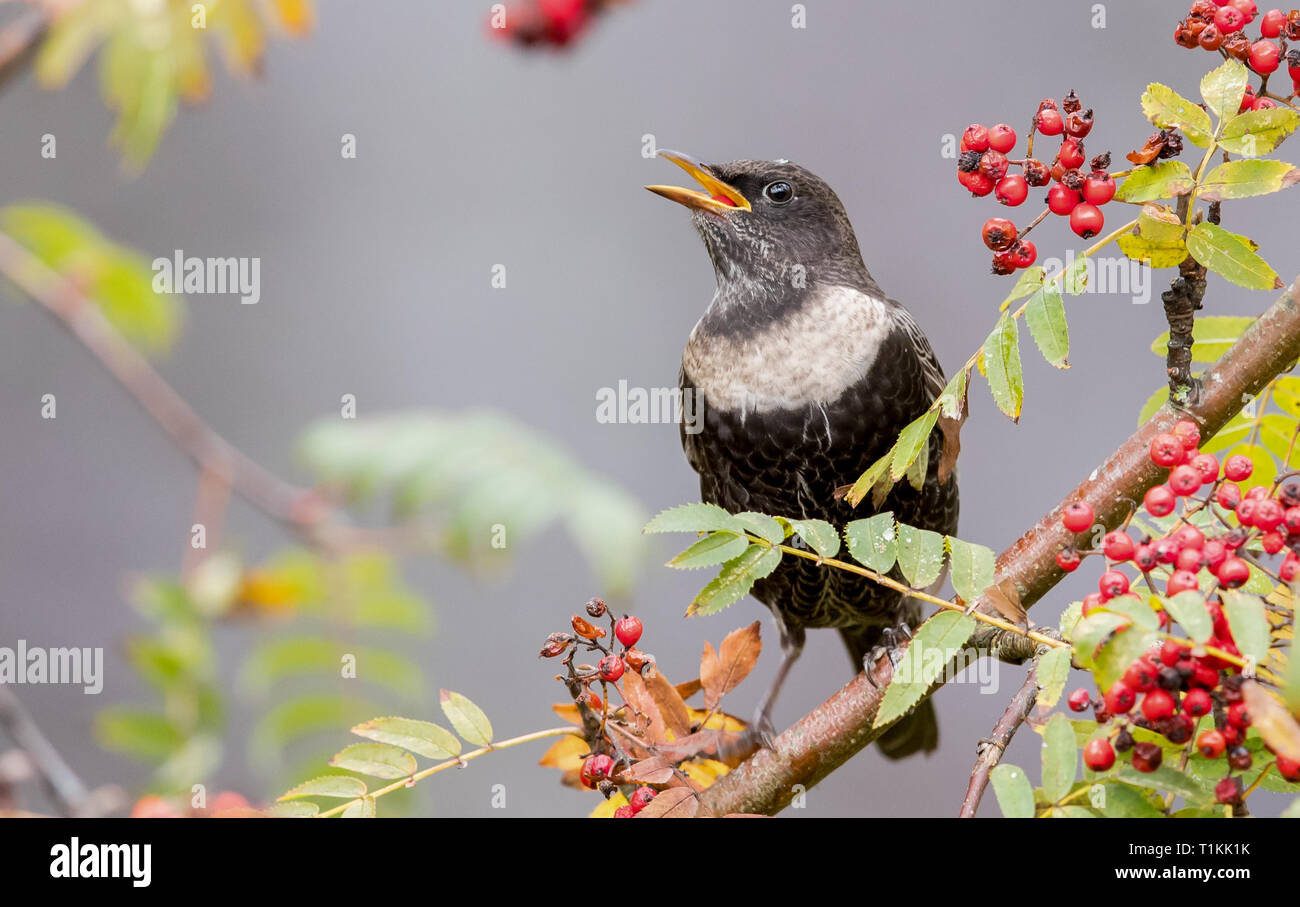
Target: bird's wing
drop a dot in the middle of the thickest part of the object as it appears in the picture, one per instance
(931, 370)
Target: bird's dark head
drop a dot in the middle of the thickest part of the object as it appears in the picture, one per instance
(767, 222)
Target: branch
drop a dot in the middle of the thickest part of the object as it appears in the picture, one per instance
(18, 41)
(992, 747)
(833, 732)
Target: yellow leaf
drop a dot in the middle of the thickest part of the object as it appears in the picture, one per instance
(704, 771)
(606, 809)
(296, 16)
(718, 721)
(566, 754)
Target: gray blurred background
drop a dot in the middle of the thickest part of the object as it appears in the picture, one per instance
(375, 281)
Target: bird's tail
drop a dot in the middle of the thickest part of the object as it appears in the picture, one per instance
(918, 731)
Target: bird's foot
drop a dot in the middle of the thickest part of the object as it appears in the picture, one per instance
(890, 639)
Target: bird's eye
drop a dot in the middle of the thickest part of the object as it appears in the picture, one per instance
(779, 192)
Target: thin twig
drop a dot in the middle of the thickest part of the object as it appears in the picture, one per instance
(992, 747)
(70, 795)
(18, 42)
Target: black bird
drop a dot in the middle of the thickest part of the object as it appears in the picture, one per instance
(805, 373)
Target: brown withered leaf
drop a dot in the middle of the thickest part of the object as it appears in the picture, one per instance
(951, 431)
(1006, 598)
(585, 628)
(646, 714)
(1148, 152)
(1274, 723)
(722, 671)
(673, 803)
(676, 716)
(689, 688)
(655, 770)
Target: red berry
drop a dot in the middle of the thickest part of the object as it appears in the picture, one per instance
(1098, 754)
(1290, 567)
(1184, 480)
(1068, 559)
(1211, 743)
(1207, 465)
(1240, 758)
(1187, 433)
(1142, 675)
(1171, 652)
(1264, 57)
(1098, 188)
(1238, 467)
(1062, 200)
(977, 183)
(624, 812)
(1228, 791)
(1233, 572)
(1291, 519)
(1071, 155)
(1022, 253)
(975, 138)
(993, 164)
(1147, 756)
(595, 769)
(1272, 542)
(1159, 501)
(1189, 537)
(1167, 450)
(1117, 545)
(1011, 190)
(1271, 25)
(1157, 705)
(1263, 104)
(1238, 716)
(1144, 557)
(998, 233)
(628, 631)
(1091, 602)
(1112, 583)
(1003, 263)
(1246, 7)
(1190, 559)
(1036, 172)
(1181, 581)
(1087, 220)
(610, 668)
(1080, 700)
(1120, 698)
(1214, 552)
(640, 797)
(1078, 516)
(1079, 123)
(1229, 19)
(1268, 514)
(1049, 121)
(1288, 768)
(1197, 703)
(1228, 495)
(1002, 138)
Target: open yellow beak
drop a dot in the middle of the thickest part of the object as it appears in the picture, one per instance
(717, 196)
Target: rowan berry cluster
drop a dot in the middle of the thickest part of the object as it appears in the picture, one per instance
(1220, 25)
(983, 167)
(1178, 682)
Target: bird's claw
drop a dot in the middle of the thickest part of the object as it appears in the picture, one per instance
(888, 645)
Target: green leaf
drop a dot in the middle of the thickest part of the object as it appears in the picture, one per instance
(972, 568)
(1029, 282)
(1153, 404)
(1074, 280)
(1070, 618)
(1014, 792)
(1212, 335)
(301, 656)
(1223, 88)
(820, 536)
(1119, 652)
(1249, 623)
(761, 525)
(1053, 672)
(698, 517)
(1124, 802)
(1157, 238)
(344, 787)
(876, 473)
(1257, 132)
(1169, 780)
(1060, 757)
(1230, 258)
(954, 396)
(467, 718)
(1135, 609)
(920, 555)
(363, 808)
(379, 760)
(1002, 365)
(933, 645)
(136, 732)
(1165, 107)
(1046, 319)
(715, 548)
(873, 542)
(1189, 612)
(1091, 632)
(911, 442)
(735, 578)
(1243, 179)
(1166, 179)
(423, 738)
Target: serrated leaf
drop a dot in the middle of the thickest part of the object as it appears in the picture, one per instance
(1243, 179)
(1070, 618)
(715, 548)
(1119, 652)
(876, 473)
(1212, 335)
(1053, 672)
(467, 718)
(1249, 623)
(1166, 107)
(1166, 179)
(972, 567)
(1045, 316)
(1230, 258)
(761, 525)
(1074, 280)
(344, 787)
(1257, 132)
(423, 738)
(1157, 238)
(1223, 88)
(1169, 780)
(735, 578)
(873, 542)
(1124, 802)
(696, 517)
(1060, 757)
(1135, 609)
(920, 555)
(821, 536)
(1188, 610)
(364, 808)
(1029, 282)
(1091, 632)
(944, 633)
(1014, 792)
(1002, 365)
(379, 760)
(911, 442)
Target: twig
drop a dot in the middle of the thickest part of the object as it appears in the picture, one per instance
(992, 747)
(18, 42)
(67, 790)
(832, 733)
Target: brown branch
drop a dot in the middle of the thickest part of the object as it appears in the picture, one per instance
(833, 732)
(992, 747)
(18, 42)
